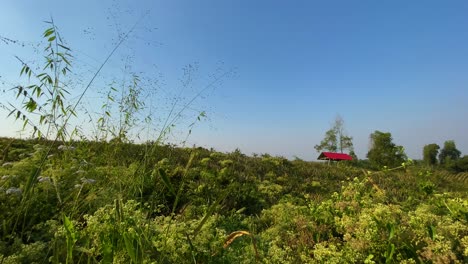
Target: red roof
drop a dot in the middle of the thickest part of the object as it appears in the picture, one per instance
(334, 156)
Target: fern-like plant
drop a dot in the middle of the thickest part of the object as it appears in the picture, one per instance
(44, 106)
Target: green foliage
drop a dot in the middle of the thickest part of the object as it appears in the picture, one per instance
(329, 143)
(462, 164)
(449, 154)
(71, 238)
(430, 152)
(44, 107)
(336, 139)
(383, 152)
(187, 205)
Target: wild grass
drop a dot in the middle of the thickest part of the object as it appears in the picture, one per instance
(194, 205)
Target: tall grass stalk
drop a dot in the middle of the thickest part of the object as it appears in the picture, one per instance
(57, 102)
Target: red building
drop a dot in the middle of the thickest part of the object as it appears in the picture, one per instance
(333, 156)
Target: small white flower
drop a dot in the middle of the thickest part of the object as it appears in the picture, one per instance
(13, 190)
(38, 147)
(7, 164)
(43, 179)
(90, 181)
(63, 147)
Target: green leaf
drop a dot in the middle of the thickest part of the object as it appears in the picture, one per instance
(369, 258)
(38, 91)
(66, 61)
(192, 248)
(64, 47)
(129, 245)
(210, 212)
(31, 105)
(389, 253)
(391, 230)
(71, 237)
(69, 228)
(49, 32)
(431, 231)
(107, 251)
(20, 89)
(12, 111)
(166, 181)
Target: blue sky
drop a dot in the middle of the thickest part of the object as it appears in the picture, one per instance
(393, 66)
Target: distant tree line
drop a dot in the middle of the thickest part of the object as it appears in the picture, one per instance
(384, 153)
(449, 156)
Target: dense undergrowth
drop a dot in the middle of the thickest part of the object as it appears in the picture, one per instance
(94, 202)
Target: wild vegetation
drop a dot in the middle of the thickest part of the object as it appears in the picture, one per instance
(66, 198)
(96, 202)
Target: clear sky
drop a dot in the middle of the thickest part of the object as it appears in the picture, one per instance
(393, 66)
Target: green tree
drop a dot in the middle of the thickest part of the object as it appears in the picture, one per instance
(430, 152)
(449, 153)
(462, 164)
(336, 138)
(329, 143)
(383, 152)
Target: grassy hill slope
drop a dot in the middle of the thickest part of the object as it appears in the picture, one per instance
(95, 202)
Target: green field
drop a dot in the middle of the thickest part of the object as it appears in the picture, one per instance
(97, 202)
